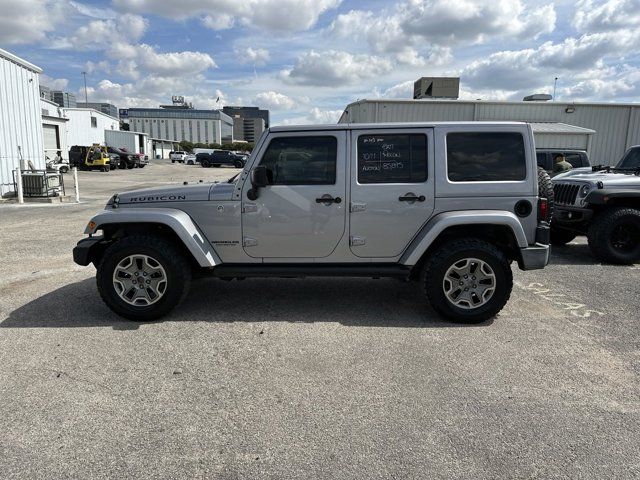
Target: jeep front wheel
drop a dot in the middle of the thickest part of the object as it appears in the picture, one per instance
(143, 278)
(467, 281)
(614, 236)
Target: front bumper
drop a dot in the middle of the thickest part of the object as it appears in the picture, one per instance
(571, 215)
(534, 257)
(85, 251)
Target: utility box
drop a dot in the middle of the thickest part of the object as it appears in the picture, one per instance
(436, 87)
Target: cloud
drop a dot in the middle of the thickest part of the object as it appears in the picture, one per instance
(99, 34)
(607, 16)
(28, 21)
(455, 21)
(274, 101)
(53, 83)
(218, 22)
(135, 61)
(258, 56)
(531, 68)
(279, 15)
(335, 68)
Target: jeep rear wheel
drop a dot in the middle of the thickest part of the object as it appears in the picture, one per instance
(143, 278)
(205, 163)
(560, 237)
(467, 281)
(614, 236)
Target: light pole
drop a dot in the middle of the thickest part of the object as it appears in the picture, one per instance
(555, 82)
(84, 74)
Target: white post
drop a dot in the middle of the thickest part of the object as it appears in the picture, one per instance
(19, 184)
(75, 182)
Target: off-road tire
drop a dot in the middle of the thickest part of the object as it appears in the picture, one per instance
(545, 189)
(601, 231)
(176, 266)
(435, 268)
(560, 236)
(238, 164)
(205, 163)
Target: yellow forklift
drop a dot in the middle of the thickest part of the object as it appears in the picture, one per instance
(94, 157)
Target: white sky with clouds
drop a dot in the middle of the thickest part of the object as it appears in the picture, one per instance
(305, 60)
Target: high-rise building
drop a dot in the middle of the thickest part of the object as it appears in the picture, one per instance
(248, 122)
(105, 108)
(188, 124)
(64, 99)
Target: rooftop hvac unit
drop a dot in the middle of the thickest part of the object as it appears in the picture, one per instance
(436, 87)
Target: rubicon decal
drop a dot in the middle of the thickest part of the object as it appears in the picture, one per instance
(159, 198)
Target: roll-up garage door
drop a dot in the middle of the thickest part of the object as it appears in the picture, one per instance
(50, 135)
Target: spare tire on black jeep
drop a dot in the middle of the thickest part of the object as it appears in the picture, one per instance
(545, 189)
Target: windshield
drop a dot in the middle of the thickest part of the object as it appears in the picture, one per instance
(631, 159)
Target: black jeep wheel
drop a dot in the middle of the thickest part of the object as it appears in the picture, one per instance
(560, 237)
(614, 236)
(143, 277)
(205, 163)
(545, 189)
(238, 164)
(467, 280)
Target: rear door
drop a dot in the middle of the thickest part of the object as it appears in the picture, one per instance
(392, 189)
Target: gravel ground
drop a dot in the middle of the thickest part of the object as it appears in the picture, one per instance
(307, 378)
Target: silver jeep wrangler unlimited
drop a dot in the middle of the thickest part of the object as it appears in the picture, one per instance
(449, 205)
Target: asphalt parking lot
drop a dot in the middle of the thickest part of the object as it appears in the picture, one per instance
(307, 378)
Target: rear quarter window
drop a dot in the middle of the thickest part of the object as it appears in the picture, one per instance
(486, 157)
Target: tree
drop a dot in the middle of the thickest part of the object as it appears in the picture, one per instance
(186, 146)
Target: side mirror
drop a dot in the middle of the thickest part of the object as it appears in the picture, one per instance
(259, 177)
(259, 180)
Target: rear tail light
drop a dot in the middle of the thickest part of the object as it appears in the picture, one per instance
(543, 210)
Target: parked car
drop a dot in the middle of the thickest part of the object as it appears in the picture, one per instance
(191, 159)
(178, 156)
(602, 203)
(577, 158)
(126, 159)
(221, 157)
(447, 205)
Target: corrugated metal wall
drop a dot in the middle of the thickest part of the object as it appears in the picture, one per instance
(80, 131)
(617, 126)
(20, 119)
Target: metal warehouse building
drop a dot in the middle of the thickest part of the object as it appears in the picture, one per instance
(607, 129)
(20, 117)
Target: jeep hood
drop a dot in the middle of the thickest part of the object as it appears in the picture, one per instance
(609, 180)
(197, 192)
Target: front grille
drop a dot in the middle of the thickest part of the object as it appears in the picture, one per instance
(565, 193)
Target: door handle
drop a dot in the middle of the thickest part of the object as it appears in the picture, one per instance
(328, 199)
(412, 197)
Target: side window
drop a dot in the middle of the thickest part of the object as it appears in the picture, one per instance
(94, 122)
(541, 158)
(394, 158)
(301, 160)
(574, 159)
(486, 157)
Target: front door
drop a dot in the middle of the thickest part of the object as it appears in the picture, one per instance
(392, 189)
(301, 213)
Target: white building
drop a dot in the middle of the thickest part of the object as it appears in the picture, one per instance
(176, 125)
(136, 142)
(54, 129)
(87, 126)
(20, 117)
(608, 128)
